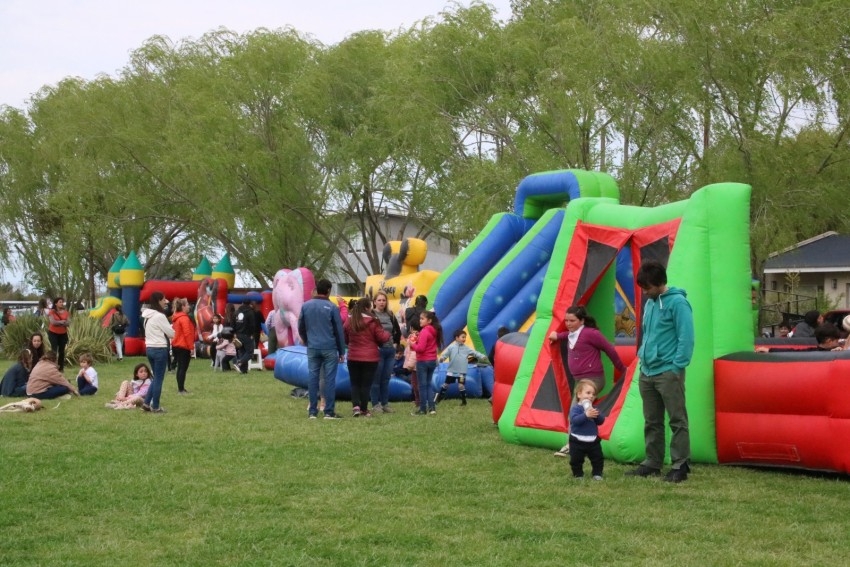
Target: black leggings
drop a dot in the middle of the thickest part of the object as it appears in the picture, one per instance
(362, 374)
(181, 359)
(57, 345)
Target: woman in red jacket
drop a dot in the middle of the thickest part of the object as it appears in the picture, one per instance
(363, 335)
(57, 331)
(183, 341)
(427, 344)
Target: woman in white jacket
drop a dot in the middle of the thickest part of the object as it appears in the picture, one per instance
(158, 332)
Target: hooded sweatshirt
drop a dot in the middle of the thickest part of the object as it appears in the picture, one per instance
(156, 328)
(184, 331)
(667, 333)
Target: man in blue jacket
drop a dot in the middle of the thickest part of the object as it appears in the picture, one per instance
(320, 327)
(666, 346)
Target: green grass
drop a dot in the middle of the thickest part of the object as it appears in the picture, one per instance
(236, 475)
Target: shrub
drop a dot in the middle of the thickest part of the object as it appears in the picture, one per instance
(16, 335)
(85, 334)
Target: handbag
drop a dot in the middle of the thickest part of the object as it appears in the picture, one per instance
(410, 359)
(119, 329)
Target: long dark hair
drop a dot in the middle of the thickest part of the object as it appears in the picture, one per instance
(431, 316)
(155, 302)
(356, 317)
(581, 314)
(37, 353)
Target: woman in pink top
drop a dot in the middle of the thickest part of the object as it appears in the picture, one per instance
(426, 345)
(584, 347)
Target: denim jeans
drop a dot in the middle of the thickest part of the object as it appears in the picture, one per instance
(380, 393)
(158, 357)
(318, 360)
(425, 375)
(246, 353)
(52, 392)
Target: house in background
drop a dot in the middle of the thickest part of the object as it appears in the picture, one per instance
(820, 264)
(441, 252)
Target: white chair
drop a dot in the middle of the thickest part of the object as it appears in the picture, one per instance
(256, 362)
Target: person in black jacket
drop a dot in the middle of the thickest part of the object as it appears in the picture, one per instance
(244, 329)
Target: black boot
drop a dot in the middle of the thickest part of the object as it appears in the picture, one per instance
(439, 396)
(463, 397)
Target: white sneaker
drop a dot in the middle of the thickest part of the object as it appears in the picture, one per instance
(563, 451)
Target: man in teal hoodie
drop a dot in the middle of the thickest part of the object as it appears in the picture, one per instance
(666, 346)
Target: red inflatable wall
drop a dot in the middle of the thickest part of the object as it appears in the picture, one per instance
(786, 410)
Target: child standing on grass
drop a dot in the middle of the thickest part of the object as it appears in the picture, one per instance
(458, 355)
(87, 376)
(584, 431)
(426, 345)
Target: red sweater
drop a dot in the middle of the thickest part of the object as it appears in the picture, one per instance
(363, 345)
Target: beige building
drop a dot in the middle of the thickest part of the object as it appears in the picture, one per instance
(440, 255)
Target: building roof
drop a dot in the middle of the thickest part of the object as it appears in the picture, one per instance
(827, 252)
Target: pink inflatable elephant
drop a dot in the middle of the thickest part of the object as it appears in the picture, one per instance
(290, 289)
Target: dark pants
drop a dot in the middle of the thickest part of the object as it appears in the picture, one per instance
(665, 391)
(243, 355)
(225, 363)
(85, 388)
(57, 345)
(362, 375)
(52, 392)
(182, 357)
(592, 450)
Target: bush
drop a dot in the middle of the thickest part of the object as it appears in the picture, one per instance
(85, 334)
(16, 335)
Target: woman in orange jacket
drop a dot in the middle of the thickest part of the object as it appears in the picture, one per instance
(183, 341)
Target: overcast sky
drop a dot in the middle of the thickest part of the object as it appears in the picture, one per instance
(44, 41)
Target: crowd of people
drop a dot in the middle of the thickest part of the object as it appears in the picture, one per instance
(377, 344)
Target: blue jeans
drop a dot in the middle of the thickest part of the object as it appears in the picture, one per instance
(52, 392)
(158, 357)
(425, 375)
(318, 360)
(380, 393)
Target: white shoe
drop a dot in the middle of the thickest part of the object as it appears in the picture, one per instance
(563, 451)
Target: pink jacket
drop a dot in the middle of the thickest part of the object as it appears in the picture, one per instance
(426, 345)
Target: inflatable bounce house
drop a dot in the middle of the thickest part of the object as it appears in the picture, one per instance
(208, 290)
(744, 407)
(401, 281)
(496, 281)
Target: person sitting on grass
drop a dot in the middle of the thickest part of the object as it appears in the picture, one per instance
(47, 382)
(87, 376)
(14, 384)
(131, 395)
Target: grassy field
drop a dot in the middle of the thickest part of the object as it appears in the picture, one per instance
(235, 474)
